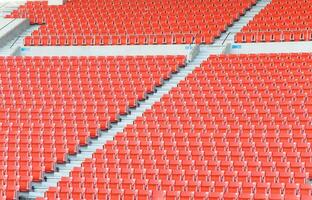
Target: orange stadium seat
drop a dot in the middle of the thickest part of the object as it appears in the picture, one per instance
(238, 127)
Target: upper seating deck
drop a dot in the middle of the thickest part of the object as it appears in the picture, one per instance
(281, 20)
(111, 22)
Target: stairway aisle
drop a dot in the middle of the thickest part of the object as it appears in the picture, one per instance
(6, 7)
(228, 37)
(15, 41)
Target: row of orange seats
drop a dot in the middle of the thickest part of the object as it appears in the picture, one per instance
(117, 40)
(274, 36)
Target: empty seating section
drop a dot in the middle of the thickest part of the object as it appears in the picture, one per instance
(238, 127)
(111, 22)
(50, 105)
(281, 20)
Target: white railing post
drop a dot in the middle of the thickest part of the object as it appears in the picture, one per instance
(193, 51)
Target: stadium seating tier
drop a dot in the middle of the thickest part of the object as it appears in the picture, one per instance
(51, 105)
(127, 22)
(238, 127)
(280, 21)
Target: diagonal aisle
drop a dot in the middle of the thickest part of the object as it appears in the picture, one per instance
(243, 21)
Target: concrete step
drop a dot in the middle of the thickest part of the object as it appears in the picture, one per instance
(11, 28)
